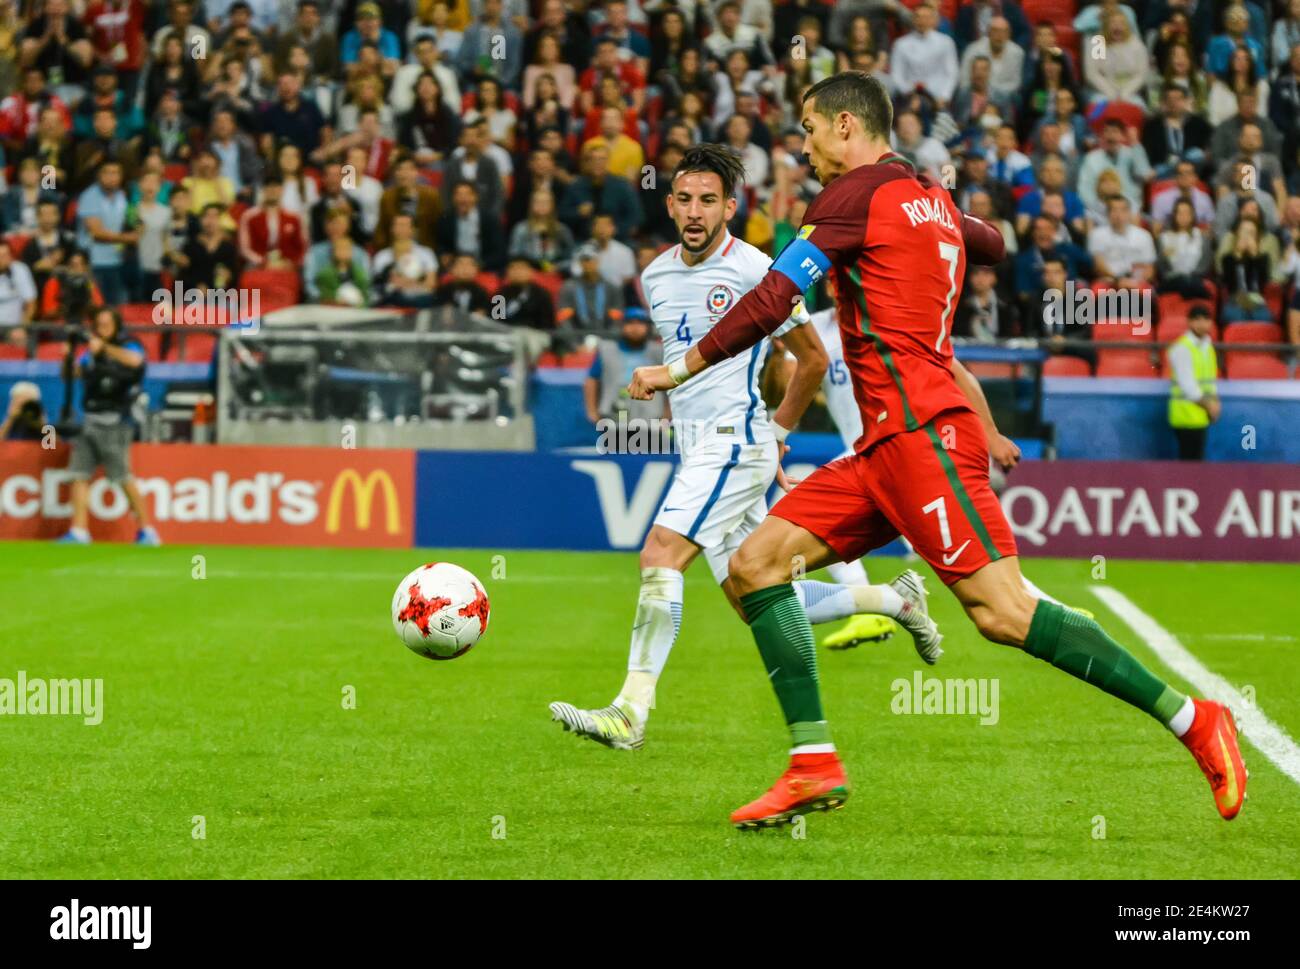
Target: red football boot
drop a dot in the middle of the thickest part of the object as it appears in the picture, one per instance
(1212, 739)
(812, 782)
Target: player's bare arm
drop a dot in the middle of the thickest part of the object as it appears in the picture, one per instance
(810, 363)
(1003, 450)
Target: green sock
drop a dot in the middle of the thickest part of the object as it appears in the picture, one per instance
(785, 641)
(1076, 644)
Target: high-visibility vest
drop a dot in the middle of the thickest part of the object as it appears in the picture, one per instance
(1184, 413)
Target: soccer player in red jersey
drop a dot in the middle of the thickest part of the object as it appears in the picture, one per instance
(897, 248)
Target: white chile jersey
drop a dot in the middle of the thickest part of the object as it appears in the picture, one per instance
(685, 303)
(837, 387)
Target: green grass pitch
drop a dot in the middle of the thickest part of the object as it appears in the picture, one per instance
(224, 698)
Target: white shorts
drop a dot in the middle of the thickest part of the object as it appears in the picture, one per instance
(718, 497)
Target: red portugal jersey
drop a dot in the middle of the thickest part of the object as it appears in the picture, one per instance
(897, 266)
(893, 246)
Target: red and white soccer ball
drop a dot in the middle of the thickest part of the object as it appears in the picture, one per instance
(440, 611)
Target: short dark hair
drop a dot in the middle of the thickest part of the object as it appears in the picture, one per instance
(718, 159)
(858, 93)
(1200, 310)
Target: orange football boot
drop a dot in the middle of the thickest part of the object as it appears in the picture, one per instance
(812, 782)
(1212, 739)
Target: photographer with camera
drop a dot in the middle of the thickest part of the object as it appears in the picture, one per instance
(17, 295)
(111, 366)
(70, 293)
(25, 419)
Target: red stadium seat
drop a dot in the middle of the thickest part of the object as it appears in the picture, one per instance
(51, 351)
(578, 359)
(1059, 12)
(489, 281)
(1252, 333)
(1245, 365)
(280, 286)
(1125, 363)
(1171, 329)
(1066, 367)
(1273, 297)
(1131, 114)
(551, 282)
(17, 243)
(151, 340)
(990, 370)
(199, 346)
(136, 314)
(12, 351)
(1111, 330)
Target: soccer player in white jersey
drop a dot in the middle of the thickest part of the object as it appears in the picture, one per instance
(730, 450)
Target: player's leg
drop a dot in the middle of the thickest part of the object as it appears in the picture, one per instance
(665, 556)
(82, 463)
(117, 468)
(945, 504)
(826, 518)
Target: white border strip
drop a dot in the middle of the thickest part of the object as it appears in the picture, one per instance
(1270, 739)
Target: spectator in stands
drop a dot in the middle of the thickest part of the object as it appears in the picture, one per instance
(1048, 148)
(18, 206)
(1239, 77)
(587, 300)
(626, 155)
(337, 269)
(370, 30)
(983, 315)
(25, 419)
(334, 196)
(1052, 179)
(56, 43)
(730, 34)
(470, 228)
(542, 238)
(605, 390)
(597, 190)
(1123, 253)
(49, 245)
(1051, 312)
(237, 155)
(1043, 47)
(476, 57)
(633, 293)
(291, 117)
(310, 33)
(406, 273)
(20, 111)
(1128, 161)
(180, 19)
(910, 141)
(429, 129)
(433, 22)
(1246, 262)
(69, 294)
(17, 291)
(208, 186)
(1121, 75)
(1236, 33)
(1180, 69)
(1284, 101)
(1233, 204)
(1076, 137)
(975, 177)
(52, 147)
(1006, 57)
(974, 94)
(1007, 164)
(1286, 32)
(103, 144)
(175, 71)
(409, 196)
(1226, 139)
(1044, 245)
(1262, 168)
(270, 236)
(463, 289)
(149, 217)
(981, 206)
(1186, 254)
(101, 220)
(481, 161)
(925, 60)
(104, 93)
(210, 260)
(1186, 186)
(182, 226)
(363, 189)
(167, 132)
(1175, 133)
(615, 259)
(1193, 390)
(523, 301)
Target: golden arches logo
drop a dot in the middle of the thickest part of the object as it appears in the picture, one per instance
(363, 492)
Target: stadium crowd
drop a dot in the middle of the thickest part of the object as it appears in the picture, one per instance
(417, 153)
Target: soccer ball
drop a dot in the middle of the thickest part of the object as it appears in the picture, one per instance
(440, 611)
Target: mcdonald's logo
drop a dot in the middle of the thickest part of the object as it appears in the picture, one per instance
(363, 493)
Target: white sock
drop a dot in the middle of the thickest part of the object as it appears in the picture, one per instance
(1036, 592)
(654, 630)
(827, 602)
(1182, 721)
(848, 573)
(81, 534)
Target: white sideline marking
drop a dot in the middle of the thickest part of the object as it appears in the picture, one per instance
(183, 572)
(1270, 739)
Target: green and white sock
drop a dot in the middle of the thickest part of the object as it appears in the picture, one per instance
(827, 601)
(785, 642)
(1076, 644)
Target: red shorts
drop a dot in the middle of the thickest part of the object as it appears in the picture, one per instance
(930, 485)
